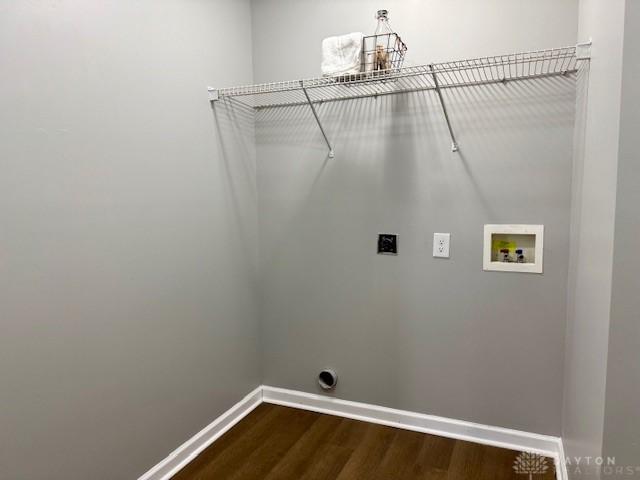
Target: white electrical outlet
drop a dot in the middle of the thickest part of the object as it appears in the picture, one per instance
(441, 245)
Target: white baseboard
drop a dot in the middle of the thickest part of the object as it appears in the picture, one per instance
(419, 422)
(190, 449)
(561, 463)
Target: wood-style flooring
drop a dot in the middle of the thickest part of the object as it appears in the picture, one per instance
(280, 443)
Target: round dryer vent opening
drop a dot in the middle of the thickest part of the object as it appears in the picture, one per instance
(327, 379)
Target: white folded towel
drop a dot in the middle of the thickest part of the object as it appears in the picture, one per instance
(341, 54)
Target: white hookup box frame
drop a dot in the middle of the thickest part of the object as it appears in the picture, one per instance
(530, 239)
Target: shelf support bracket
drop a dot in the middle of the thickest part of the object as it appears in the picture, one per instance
(315, 114)
(213, 94)
(583, 50)
(454, 143)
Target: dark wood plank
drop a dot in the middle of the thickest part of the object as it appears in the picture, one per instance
(401, 456)
(499, 465)
(221, 461)
(331, 457)
(298, 458)
(280, 443)
(466, 461)
(270, 449)
(434, 459)
(366, 458)
(248, 426)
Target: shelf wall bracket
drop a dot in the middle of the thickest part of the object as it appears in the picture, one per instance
(213, 94)
(583, 50)
(315, 114)
(454, 143)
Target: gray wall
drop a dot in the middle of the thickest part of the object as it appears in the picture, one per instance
(127, 232)
(622, 421)
(414, 332)
(593, 213)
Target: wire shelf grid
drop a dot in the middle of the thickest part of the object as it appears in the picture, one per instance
(460, 73)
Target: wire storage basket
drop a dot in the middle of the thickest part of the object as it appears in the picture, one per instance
(384, 51)
(381, 54)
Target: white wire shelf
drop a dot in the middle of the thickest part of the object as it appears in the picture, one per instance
(436, 76)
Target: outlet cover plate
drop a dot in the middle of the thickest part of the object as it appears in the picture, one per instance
(442, 245)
